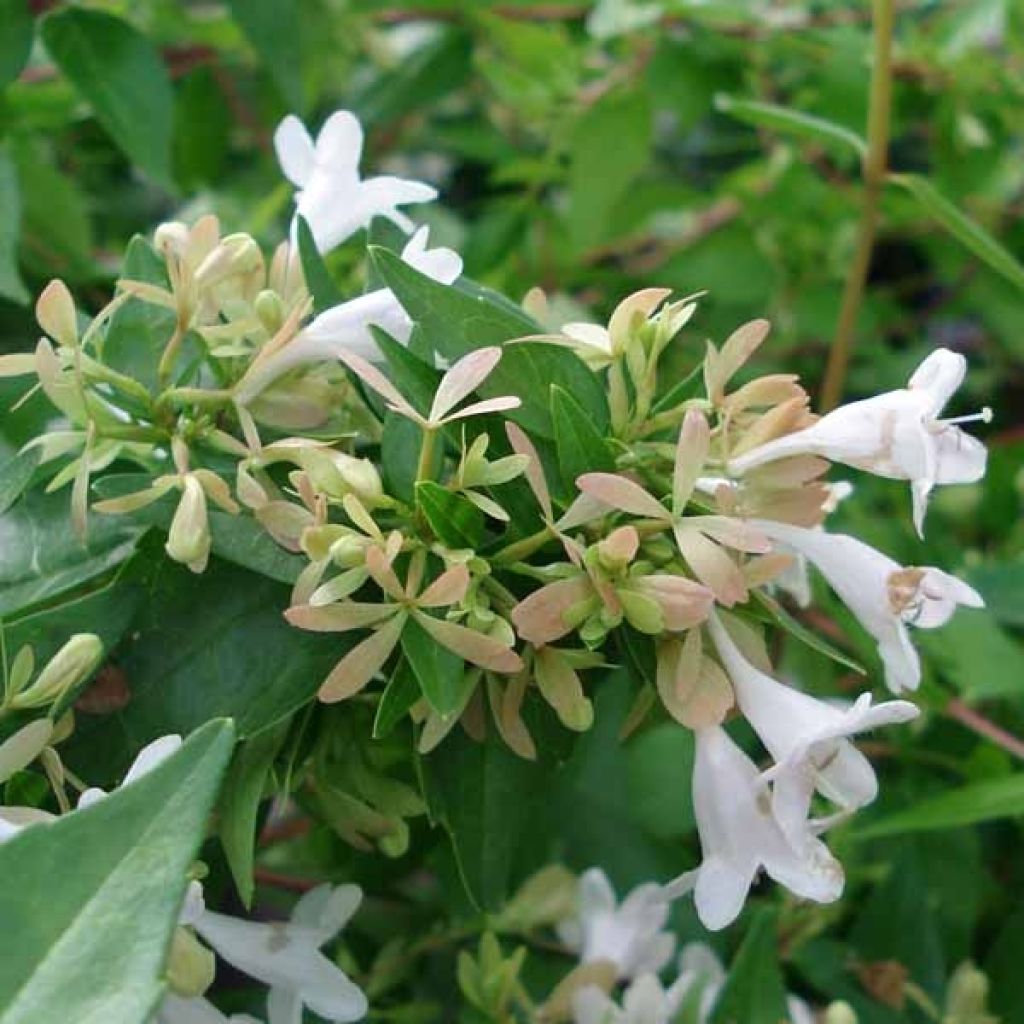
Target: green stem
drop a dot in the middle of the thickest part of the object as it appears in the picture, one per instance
(426, 454)
(170, 353)
(522, 548)
(874, 172)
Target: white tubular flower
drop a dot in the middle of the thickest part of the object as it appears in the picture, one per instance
(700, 968)
(881, 593)
(740, 834)
(176, 1010)
(807, 735)
(897, 435)
(287, 957)
(346, 328)
(628, 935)
(645, 1001)
(145, 761)
(332, 198)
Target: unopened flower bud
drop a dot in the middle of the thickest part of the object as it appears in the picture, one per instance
(338, 474)
(170, 236)
(235, 255)
(270, 310)
(618, 549)
(967, 997)
(22, 667)
(55, 312)
(190, 965)
(839, 1013)
(188, 540)
(23, 747)
(71, 665)
(348, 551)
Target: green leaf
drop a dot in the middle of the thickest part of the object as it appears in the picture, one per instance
(980, 801)
(455, 520)
(40, 556)
(318, 279)
(1002, 965)
(656, 760)
(968, 232)
(609, 146)
(15, 475)
(11, 285)
(402, 691)
(272, 26)
(138, 332)
(400, 455)
(93, 949)
(581, 448)
(208, 646)
(240, 802)
(754, 992)
(439, 671)
(239, 539)
(121, 74)
(778, 616)
(485, 797)
(203, 124)
(15, 39)
(688, 387)
(977, 655)
(1002, 584)
(792, 122)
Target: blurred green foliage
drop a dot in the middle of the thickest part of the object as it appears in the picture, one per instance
(592, 150)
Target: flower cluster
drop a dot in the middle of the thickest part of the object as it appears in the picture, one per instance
(489, 512)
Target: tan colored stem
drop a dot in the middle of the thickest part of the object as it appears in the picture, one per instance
(874, 171)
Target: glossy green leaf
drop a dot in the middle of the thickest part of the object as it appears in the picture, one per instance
(12, 287)
(454, 321)
(318, 278)
(40, 556)
(238, 808)
(754, 992)
(15, 475)
(92, 950)
(968, 232)
(402, 691)
(988, 800)
(439, 671)
(581, 448)
(792, 122)
(272, 27)
(120, 73)
(455, 520)
(15, 38)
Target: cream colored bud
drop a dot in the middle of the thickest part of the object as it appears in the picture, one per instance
(236, 255)
(270, 309)
(839, 1013)
(188, 540)
(170, 236)
(22, 667)
(349, 551)
(967, 998)
(63, 728)
(55, 312)
(337, 474)
(190, 965)
(23, 747)
(71, 665)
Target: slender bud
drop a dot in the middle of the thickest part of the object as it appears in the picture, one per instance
(270, 310)
(55, 312)
(21, 749)
(71, 665)
(190, 965)
(188, 540)
(967, 997)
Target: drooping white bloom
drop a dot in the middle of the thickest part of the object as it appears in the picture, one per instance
(807, 737)
(178, 1010)
(287, 957)
(740, 834)
(881, 593)
(332, 198)
(145, 761)
(628, 935)
(346, 327)
(897, 434)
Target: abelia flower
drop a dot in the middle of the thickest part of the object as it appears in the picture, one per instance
(740, 834)
(346, 328)
(287, 957)
(897, 434)
(334, 201)
(883, 595)
(628, 934)
(808, 738)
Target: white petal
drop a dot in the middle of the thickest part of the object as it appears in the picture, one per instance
(294, 150)
(721, 892)
(339, 145)
(960, 458)
(175, 1010)
(938, 377)
(284, 1006)
(327, 909)
(441, 264)
(150, 756)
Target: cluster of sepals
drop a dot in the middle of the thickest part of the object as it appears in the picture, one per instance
(707, 499)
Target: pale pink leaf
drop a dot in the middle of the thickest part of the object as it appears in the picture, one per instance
(373, 378)
(378, 564)
(619, 493)
(338, 618)
(476, 648)
(501, 404)
(362, 663)
(711, 565)
(540, 618)
(522, 445)
(449, 588)
(462, 380)
(691, 453)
